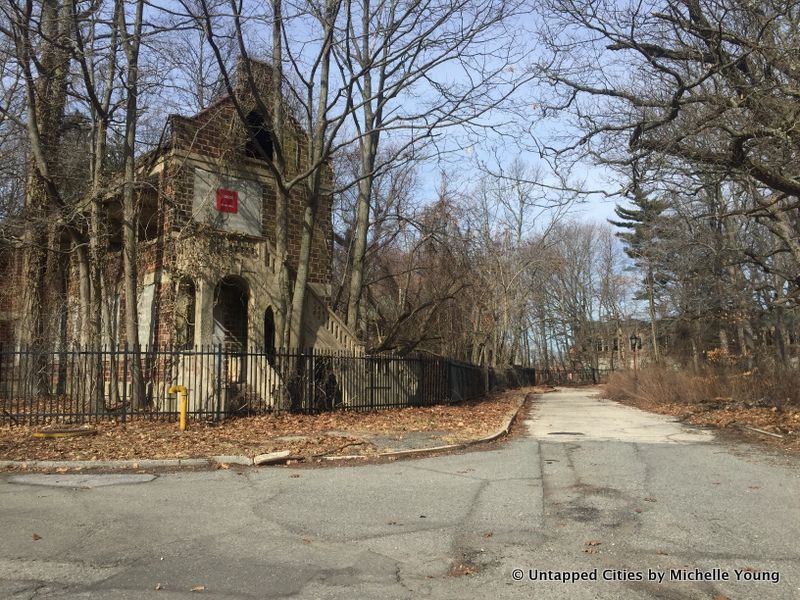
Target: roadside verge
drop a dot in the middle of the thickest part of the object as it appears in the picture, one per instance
(333, 437)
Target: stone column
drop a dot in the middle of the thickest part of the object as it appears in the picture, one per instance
(204, 312)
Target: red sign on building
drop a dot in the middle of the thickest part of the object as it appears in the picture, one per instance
(227, 200)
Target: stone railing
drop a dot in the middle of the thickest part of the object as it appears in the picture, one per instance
(316, 306)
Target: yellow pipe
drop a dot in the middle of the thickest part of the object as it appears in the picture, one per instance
(183, 403)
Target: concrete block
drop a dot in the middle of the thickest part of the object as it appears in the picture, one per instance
(231, 459)
(272, 458)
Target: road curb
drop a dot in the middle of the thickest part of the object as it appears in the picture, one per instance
(236, 459)
(151, 463)
(144, 463)
(503, 431)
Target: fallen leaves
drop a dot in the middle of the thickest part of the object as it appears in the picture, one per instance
(36, 537)
(462, 570)
(591, 547)
(307, 436)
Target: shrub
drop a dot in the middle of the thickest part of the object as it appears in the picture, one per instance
(768, 387)
(778, 387)
(668, 386)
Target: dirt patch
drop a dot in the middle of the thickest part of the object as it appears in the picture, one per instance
(307, 436)
(463, 570)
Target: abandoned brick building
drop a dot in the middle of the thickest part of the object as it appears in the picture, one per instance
(207, 272)
(208, 288)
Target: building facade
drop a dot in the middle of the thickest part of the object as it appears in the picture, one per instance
(206, 233)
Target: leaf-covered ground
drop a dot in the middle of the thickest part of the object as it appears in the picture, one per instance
(308, 436)
(726, 415)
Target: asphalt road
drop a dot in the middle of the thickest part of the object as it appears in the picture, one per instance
(589, 488)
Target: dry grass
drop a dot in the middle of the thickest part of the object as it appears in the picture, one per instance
(664, 386)
(757, 387)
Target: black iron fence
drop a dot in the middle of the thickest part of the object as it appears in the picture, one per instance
(74, 385)
(567, 377)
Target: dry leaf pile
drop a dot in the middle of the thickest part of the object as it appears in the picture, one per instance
(304, 435)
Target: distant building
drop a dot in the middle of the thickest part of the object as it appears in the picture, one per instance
(609, 345)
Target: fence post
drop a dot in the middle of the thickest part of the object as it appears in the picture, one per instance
(218, 411)
(124, 380)
(311, 401)
(448, 381)
(370, 383)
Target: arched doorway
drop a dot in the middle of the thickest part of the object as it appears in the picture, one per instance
(230, 314)
(269, 334)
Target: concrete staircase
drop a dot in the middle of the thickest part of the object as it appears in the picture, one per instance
(324, 329)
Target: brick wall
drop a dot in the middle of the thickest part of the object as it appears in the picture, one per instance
(217, 133)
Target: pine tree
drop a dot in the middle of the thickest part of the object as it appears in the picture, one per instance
(641, 236)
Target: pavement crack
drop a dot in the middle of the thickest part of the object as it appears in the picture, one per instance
(461, 550)
(35, 591)
(440, 472)
(398, 578)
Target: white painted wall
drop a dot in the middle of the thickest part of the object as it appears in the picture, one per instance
(246, 220)
(144, 307)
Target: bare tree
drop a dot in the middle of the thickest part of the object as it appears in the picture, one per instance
(131, 37)
(421, 68)
(40, 69)
(692, 102)
(684, 84)
(418, 280)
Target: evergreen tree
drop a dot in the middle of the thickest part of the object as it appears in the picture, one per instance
(641, 226)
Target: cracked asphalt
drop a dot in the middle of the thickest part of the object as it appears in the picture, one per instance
(587, 487)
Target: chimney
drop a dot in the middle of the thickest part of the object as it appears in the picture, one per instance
(261, 73)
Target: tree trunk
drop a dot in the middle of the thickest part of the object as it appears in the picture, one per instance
(359, 243)
(283, 313)
(651, 304)
(314, 186)
(297, 332)
(778, 337)
(130, 217)
(283, 309)
(46, 101)
(543, 337)
(368, 146)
